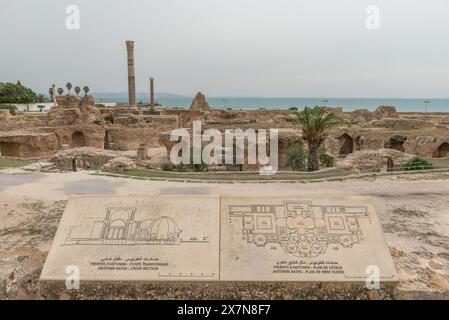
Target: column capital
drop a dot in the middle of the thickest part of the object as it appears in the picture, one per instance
(129, 44)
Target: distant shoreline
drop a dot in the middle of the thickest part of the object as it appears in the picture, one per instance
(247, 103)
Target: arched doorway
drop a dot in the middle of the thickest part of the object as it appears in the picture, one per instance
(442, 151)
(78, 139)
(397, 143)
(346, 144)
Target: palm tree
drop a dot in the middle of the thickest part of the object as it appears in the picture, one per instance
(41, 98)
(77, 90)
(86, 90)
(50, 92)
(60, 91)
(69, 87)
(314, 121)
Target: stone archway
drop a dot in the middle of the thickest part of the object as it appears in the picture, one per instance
(78, 139)
(346, 144)
(397, 143)
(442, 151)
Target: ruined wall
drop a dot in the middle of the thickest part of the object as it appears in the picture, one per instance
(185, 116)
(250, 118)
(286, 138)
(128, 133)
(122, 138)
(423, 143)
(25, 146)
(77, 122)
(74, 110)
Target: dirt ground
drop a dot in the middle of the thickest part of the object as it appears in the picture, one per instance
(413, 209)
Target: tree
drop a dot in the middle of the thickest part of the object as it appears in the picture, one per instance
(60, 91)
(42, 98)
(69, 87)
(86, 90)
(77, 90)
(12, 109)
(16, 93)
(50, 92)
(314, 122)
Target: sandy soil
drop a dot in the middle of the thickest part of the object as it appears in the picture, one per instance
(413, 209)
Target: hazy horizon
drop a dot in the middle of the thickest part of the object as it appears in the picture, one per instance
(244, 48)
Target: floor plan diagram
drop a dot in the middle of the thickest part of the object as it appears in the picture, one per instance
(301, 228)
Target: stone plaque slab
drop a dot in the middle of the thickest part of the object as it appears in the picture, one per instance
(302, 239)
(211, 246)
(129, 238)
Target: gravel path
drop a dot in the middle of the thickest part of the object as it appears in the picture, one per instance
(413, 209)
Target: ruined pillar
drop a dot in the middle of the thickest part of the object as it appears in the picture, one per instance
(131, 74)
(53, 96)
(152, 92)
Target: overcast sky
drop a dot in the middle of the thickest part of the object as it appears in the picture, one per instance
(290, 48)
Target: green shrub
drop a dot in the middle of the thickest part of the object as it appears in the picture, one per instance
(418, 163)
(293, 108)
(167, 167)
(326, 159)
(198, 167)
(186, 167)
(297, 158)
(12, 109)
(201, 167)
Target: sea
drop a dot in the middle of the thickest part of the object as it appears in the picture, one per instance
(251, 103)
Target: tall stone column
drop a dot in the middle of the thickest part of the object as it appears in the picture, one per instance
(131, 74)
(152, 92)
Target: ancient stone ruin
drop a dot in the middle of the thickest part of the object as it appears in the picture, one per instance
(76, 122)
(200, 103)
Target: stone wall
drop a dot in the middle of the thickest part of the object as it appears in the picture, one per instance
(27, 145)
(77, 122)
(286, 138)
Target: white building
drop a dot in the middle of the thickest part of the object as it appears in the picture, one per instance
(33, 107)
(46, 106)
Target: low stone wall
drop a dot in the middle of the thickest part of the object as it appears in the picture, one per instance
(82, 158)
(27, 145)
(373, 160)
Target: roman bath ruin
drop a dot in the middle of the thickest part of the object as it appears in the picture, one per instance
(78, 122)
(289, 236)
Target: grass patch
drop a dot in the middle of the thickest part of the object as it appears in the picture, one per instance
(8, 231)
(228, 176)
(13, 163)
(34, 231)
(439, 162)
